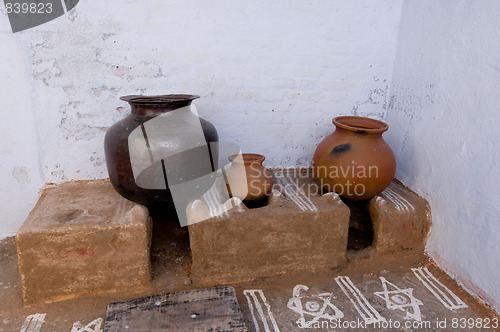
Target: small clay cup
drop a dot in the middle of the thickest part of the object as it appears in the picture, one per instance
(247, 178)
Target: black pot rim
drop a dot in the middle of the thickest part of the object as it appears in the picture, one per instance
(158, 99)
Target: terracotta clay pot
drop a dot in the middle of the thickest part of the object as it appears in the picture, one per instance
(355, 161)
(154, 144)
(247, 178)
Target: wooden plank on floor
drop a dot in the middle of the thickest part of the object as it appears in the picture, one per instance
(210, 309)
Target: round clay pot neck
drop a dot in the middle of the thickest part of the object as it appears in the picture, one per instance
(248, 158)
(360, 125)
(155, 105)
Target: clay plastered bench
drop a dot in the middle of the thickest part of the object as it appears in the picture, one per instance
(299, 229)
(294, 231)
(83, 237)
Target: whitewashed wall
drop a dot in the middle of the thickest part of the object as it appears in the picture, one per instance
(271, 75)
(444, 118)
(21, 175)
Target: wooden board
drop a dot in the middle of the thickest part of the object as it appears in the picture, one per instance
(210, 309)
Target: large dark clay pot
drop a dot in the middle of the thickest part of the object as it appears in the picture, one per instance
(144, 181)
(354, 160)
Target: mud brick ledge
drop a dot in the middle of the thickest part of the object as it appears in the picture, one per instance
(300, 229)
(247, 243)
(401, 219)
(82, 237)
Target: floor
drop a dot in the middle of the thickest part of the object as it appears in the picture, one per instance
(406, 293)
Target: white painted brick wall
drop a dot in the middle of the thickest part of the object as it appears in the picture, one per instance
(444, 130)
(271, 75)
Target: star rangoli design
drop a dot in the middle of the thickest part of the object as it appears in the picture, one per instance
(317, 306)
(401, 299)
